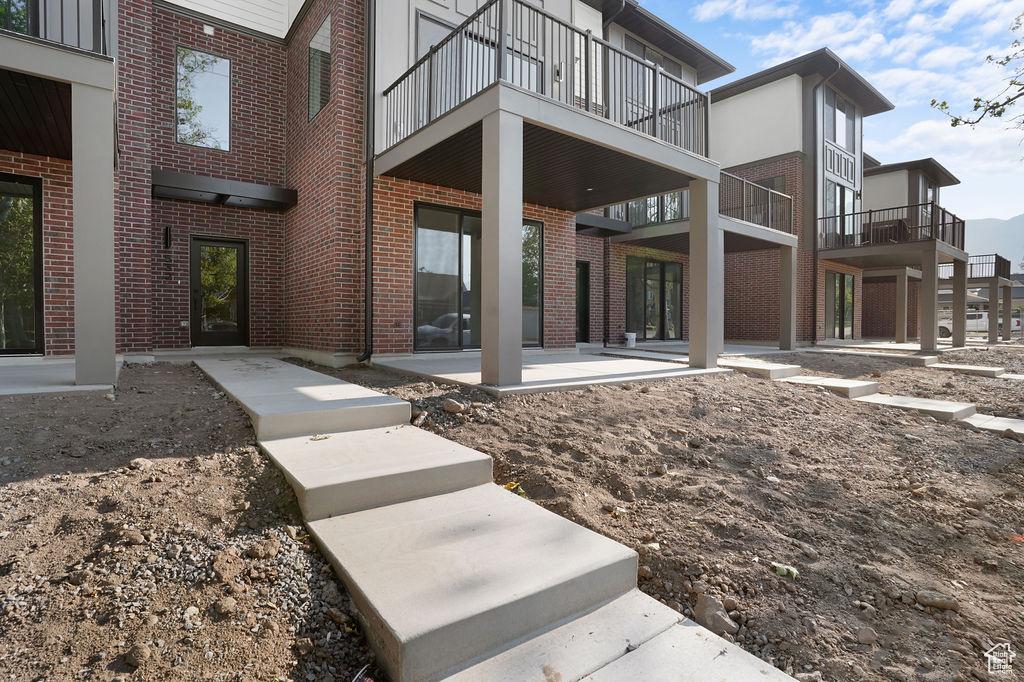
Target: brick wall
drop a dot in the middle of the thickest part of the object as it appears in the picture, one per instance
(394, 203)
(58, 245)
(880, 309)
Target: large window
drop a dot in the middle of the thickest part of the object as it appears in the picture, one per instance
(320, 68)
(654, 291)
(840, 229)
(839, 305)
(203, 106)
(664, 208)
(840, 121)
(447, 303)
(21, 291)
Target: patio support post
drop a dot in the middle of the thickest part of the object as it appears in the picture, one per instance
(929, 298)
(901, 306)
(1007, 314)
(787, 298)
(501, 361)
(959, 303)
(707, 276)
(92, 173)
(993, 310)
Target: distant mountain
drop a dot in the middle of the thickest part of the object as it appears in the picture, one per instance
(992, 235)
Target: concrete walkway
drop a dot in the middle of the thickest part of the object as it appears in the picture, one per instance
(755, 365)
(33, 374)
(455, 577)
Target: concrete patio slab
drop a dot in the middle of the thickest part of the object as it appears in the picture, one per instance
(339, 473)
(942, 410)
(945, 346)
(638, 354)
(769, 370)
(1012, 377)
(688, 652)
(851, 388)
(987, 422)
(915, 360)
(542, 371)
(33, 374)
(450, 578)
(283, 399)
(580, 646)
(978, 370)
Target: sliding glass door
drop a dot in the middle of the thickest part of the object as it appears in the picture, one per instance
(21, 264)
(447, 304)
(839, 305)
(654, 299)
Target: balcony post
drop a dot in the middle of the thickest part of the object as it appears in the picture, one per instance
(1008, 314)
(504, 24)
(959, 303)
(588, 69)
(707, 276)
(787, 297)
(993, 309)
(501, 356)
(902, 287)
(929, 298)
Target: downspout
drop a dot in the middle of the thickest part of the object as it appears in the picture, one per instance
(814, 230)
(609, 20)
(369, 133)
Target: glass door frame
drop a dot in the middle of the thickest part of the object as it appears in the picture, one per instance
(197, 337)
(836, 284)
(663, 307)
(37, 262)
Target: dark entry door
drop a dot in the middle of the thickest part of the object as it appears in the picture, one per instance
(219, 275)
(582, 302)
(21, 264)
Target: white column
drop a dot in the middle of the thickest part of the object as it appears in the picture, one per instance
(959, 303)
(707, 276)
(901, 307)
(501, 254)
(92, 145)
(993, 310)
(787, 298)
(1007, 310)
(929, 299)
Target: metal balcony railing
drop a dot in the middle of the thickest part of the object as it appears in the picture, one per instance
(519, 44)
(985, 266)
(74, 23)
(737, 198)
(898, 225)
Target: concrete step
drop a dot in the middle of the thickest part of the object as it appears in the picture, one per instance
(915, 360)
(978, 370)
(688, 652)
(1012, 377)
(578, 647)
(851, 388)
(283, 399)
(770, 370)
(448, 579)
(339, 473)
(988, 422)
(943, 410)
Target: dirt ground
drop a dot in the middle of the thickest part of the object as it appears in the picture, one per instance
(145, 537)
(1010, 359)
(906, 533)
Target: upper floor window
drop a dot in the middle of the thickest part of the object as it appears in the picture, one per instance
(203, 104)
(840, 121)
(320, 68)
(429, 32)
(649, 54)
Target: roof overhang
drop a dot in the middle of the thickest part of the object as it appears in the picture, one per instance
(600, 226)
(930, 167)
(36, 115)
(191, 187)
(823, 62)
(637, 20)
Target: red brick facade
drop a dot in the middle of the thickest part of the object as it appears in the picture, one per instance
(880, 309)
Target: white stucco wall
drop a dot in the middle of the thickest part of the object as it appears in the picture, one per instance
(758, 124)
(884, 191)
(267, 16)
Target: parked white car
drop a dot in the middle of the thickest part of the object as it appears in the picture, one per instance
(977, 321)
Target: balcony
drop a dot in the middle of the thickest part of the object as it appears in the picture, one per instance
(899, 225)
(981, 267)
(738, 199)
(515, 43)
(79, 24)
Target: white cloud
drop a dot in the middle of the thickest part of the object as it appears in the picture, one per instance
(946, 57)
(709, 10)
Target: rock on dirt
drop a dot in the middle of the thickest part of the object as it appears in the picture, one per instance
(937, 600)
(711, 613)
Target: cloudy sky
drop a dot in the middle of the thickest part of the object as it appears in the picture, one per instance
(912, 51)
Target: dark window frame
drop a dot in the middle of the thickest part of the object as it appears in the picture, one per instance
(231, 89)
(244, 245)
(462, 213)
(663, 322)
(37, 262)
(310, 115)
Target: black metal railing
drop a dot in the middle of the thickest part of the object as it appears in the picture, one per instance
(74, 23)
(898, 225)
(737, 198)
(984, 266)
(522, 45)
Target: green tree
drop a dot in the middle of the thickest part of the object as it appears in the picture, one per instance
(1009, 96)
(189, 111)
(15, 16)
